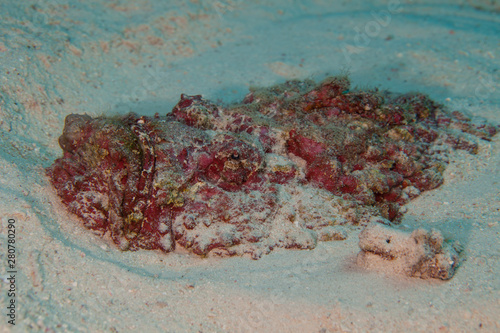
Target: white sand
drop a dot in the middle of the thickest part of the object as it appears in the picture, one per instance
(59, 57)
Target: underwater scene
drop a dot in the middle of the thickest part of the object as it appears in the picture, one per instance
(250, 166)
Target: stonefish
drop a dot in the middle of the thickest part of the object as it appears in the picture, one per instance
(286, 167)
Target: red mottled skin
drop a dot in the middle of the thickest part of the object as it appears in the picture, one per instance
(210, 178)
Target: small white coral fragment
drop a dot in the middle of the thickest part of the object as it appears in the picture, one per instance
(420, 253)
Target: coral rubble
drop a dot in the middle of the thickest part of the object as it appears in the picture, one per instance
(421, 253)
(284, 168)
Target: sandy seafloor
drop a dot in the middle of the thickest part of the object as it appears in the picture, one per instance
(106, 57)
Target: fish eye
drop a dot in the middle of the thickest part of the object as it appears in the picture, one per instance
(235, 156)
